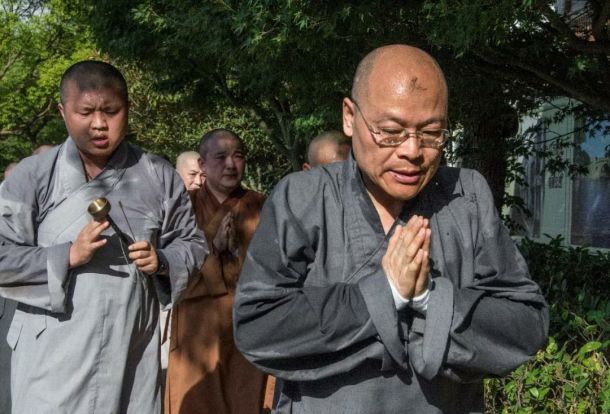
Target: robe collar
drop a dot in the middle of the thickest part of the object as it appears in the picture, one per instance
(71, 172)
(211, 200)
(360, 199)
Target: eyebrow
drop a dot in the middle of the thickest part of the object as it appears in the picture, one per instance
(431, 120)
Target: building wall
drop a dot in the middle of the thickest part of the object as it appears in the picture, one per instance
(578, 209)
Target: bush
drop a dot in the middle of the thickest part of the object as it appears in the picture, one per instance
(572, 374)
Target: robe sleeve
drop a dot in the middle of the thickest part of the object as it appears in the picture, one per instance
(29, 273)
(180, 241)
(300, 331)
(487, 327)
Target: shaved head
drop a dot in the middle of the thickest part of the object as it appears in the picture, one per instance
(186, 158)
(189, 169)
(396, 88)
(214, 134)
(42, 148)
(398, 58)
(9, 169)
(328, 147)
(89, 75)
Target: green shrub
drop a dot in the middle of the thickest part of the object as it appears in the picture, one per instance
(572, 374)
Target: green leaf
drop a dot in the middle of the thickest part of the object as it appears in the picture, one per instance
(588, 347)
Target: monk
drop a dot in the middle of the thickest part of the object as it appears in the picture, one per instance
(387, 283)
(188, 168)
(85, 336)
(206, 373)
(326, 148)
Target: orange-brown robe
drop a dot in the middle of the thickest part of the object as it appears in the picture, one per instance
(206, 373)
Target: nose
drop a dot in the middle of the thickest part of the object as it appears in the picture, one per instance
(198, 181)
(230, 162)
(410, 148)
(98, 121)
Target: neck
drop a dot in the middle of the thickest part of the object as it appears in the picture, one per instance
(93, 166)
(387, 207)
(220, 195)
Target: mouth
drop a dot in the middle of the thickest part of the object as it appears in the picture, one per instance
(100, 141)
(406, 177)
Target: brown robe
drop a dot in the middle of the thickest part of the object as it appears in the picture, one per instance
(206, 373)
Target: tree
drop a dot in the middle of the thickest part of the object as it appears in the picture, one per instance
(286, 63)
(555, 48)
(39, 40)
(162, 123)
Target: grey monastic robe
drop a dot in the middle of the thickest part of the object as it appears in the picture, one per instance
(86, 340)
(7, 309)
(314, 306)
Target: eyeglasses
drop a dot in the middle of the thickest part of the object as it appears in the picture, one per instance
(427, 138)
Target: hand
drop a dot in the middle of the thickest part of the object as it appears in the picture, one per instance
(406, 260)
(225, 234)
(87, 242)
(144, 256)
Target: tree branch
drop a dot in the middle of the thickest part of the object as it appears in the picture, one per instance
(595, 47)
(9, 64)
(598, 101)
(601, 20)
(254, 109)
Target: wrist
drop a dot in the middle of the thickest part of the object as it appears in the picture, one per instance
(162, 266)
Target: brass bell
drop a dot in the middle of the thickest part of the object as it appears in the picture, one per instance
(99, 208)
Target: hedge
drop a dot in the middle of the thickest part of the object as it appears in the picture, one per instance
(572, 374)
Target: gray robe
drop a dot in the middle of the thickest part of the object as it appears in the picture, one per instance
(86, 340)
(7, 309)
(314, 307)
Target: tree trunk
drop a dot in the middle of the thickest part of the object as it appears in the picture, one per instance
(485, 146)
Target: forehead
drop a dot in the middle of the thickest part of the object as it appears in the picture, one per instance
(407, 84)
(189, 164)
(224, 144)
(192, 164)
(76, 94)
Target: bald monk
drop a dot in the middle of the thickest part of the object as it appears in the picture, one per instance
(189, 169)
(41, 149)
(387, 283)
(206, 373)
(326, 148)
(9, 169)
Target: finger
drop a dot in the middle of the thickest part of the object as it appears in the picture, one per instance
(139, 254)
(139, 245)
(389, 257)
(98, 228)
(142, 262)
(415, 244)
(398, 231)
(410, 274)
(412, 230)
(422, 278)
(414, 223)
(427, 240)
(97, 244)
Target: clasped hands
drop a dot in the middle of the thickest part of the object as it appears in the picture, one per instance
(406, 261)
(88, 241)
(225, 236)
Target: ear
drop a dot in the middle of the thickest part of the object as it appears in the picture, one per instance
(306, 166)
(61, 108)
(348, 117)
(201, 165)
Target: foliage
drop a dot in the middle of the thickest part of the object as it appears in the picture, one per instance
(540, 43)
(161, 123)
(287, 63)
(572, 374)
(290, 63)
(39, 41)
